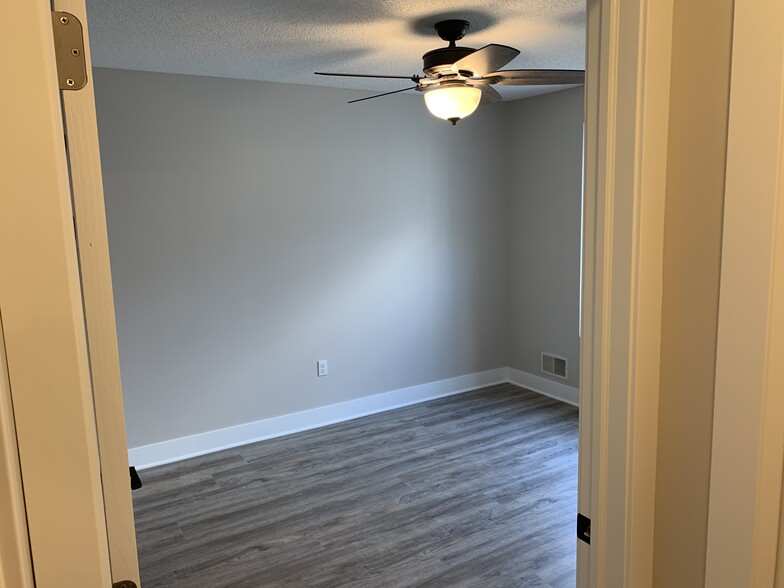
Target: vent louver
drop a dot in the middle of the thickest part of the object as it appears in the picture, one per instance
(554, 365)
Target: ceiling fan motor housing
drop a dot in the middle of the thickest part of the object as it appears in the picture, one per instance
(439, 61)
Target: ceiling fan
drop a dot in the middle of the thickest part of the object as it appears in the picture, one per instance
(457, 79)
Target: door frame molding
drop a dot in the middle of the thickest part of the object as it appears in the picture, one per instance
(627, 115)
(748, 419)
(629, 48)
(43, 319)
(94, 269)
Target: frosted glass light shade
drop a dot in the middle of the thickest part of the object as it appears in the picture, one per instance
(453, 102)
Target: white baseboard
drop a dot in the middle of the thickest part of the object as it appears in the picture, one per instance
(176, 449)
(544, 386)
(173, 450)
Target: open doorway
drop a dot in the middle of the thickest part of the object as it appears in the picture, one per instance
(634, 66)
(256, 228)
(155, 232)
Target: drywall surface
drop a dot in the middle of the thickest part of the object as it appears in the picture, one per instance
(546, 148)
(699, 102)
(256, 228)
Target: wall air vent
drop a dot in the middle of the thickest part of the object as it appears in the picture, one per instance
(554, 365)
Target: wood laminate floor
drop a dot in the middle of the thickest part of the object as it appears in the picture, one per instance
(474, 490)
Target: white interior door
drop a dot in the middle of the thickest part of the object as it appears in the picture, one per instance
(74, 474)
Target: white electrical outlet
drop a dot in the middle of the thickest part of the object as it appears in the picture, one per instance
(322, 367)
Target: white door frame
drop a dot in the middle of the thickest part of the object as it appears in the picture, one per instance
(627, 116)
(629, 50)
(64, 395)
(748, 419)
(43, 320)
(94, 268)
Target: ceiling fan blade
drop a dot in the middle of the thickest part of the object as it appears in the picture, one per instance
(347, 75)
(488, 93)
(536, 77)
(488, 58)
(380, 95)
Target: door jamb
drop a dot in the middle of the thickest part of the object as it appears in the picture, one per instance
(94, 268)
(748, 420)
(43, 320)
(627, 114)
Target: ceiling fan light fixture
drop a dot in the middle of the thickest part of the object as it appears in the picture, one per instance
(453, 102)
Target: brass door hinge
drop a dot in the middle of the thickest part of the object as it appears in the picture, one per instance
(69, 51)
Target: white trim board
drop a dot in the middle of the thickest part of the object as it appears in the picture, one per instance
(148, 456)
(203, 443)
(544, 386)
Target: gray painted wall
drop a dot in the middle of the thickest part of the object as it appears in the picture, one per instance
(544, 254)
(256, 228)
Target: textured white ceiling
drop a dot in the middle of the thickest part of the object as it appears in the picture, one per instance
(288, 40)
